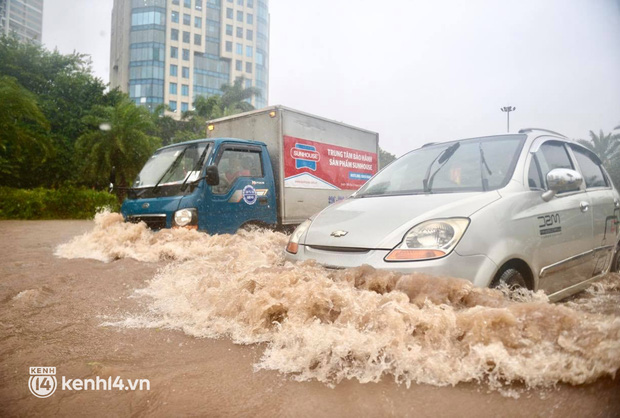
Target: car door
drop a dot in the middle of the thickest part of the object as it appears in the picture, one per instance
(603, 206)
(564, 224)
(244, 193)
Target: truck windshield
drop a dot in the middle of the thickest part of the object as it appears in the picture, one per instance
(477, 164)
(172, 166)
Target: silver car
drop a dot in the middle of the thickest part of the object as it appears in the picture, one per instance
(532, 209)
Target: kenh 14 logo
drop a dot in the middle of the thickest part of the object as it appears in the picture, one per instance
(42, 382)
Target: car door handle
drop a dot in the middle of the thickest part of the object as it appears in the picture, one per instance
(616, 203)
(584, 206)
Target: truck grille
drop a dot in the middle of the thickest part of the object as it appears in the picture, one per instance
(152, 221)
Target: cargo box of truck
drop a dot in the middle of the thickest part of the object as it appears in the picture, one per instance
(273, 166)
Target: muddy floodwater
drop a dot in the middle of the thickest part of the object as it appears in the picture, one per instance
(223, 325)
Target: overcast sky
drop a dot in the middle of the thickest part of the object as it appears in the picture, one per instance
(420, 71)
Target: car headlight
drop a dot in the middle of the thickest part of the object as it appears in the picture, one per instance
(293, 242)
(430, 239)
(186, 217)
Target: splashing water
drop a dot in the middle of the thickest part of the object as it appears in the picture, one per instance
(359, 323)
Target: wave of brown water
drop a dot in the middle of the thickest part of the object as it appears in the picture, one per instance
(360, 323)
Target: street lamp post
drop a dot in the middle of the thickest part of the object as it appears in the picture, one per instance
(508, 109)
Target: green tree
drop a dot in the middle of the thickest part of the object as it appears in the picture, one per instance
(234, 97)
(385, 158)
(23, 127)
(118, 139)
(607, 147)
(65, 91)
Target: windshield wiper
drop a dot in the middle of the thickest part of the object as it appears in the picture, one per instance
(441, 159)
(483, 163)
(170, 168)
(196, 167)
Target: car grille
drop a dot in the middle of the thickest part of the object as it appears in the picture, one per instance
(339, 249)
(152, 221)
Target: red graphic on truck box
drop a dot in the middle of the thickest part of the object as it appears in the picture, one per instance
(314, 165)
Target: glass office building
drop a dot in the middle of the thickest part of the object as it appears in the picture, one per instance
(171, 51)
(24, 18)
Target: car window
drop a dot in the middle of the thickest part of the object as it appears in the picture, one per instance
(534, 177)
(552, 155)
(235, 163)
(590, 169)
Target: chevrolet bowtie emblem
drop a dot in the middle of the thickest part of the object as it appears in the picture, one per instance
(339, 234)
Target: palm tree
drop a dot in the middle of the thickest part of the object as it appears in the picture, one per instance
(235, 96)
(607, 147)
(21, 120)
(119, 139)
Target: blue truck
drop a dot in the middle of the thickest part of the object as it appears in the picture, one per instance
(271, 167)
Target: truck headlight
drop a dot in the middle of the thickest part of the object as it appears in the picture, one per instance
(293, 242)
(430, 239)
(186, 217)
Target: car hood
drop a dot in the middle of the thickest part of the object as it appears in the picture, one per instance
(381, 222)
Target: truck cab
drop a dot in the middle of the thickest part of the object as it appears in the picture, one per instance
(214, 185)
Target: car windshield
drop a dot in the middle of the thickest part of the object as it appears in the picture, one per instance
(477, 164)
(172, 166)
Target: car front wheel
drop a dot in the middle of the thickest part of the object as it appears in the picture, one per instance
(510, 277)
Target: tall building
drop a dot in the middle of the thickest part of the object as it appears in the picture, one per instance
(24, 18)
(171, 51)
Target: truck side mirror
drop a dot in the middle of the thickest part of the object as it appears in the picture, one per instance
(561, 180)
(212, 175)
(112, 179)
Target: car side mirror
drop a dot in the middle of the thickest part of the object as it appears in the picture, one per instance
(561, 180)
(212, 175)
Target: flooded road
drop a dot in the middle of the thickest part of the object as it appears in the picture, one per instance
(224, 326)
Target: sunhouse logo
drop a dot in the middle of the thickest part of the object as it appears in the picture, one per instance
(305, 156)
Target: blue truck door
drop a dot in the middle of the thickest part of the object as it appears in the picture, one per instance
(246, 193)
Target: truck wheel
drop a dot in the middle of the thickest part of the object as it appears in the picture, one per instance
(511, 277)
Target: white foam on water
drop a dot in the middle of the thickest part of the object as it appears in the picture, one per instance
(360, 323)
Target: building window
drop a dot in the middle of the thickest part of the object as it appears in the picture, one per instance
(198, 22)
(174, 52)
(239, 16)
(185, 72)
(250, 3)
(184, 107)
(186, 37)
(239, 32)
(187, 3)
(173, 105)
(248, 67)
(250, 19)
(248, 83)
(229, 30)
(174, 70)
(184, 90)
(187, 19)
(239, 49)
(174, 34)
(229, 13)
(197, 39)
(248, 51)
(186, 54)
(173, 88)
(198, 4)
(249, 35)
(175, 17)
(175, 2)
(240, 3)
(238, 65)
(228, 46)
